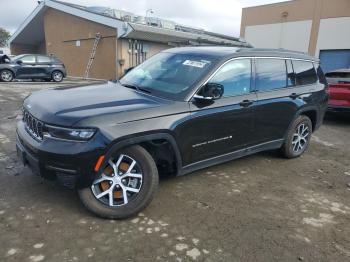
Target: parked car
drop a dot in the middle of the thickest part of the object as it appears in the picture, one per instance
(339, 90)
(32, 67)
(182, 110)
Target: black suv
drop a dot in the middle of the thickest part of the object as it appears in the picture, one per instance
(182, 110)
(32, 67)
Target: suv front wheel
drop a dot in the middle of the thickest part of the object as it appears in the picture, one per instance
(6, 75)
(298, 137)
(125, 187)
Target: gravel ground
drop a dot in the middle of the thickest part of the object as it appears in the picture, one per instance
(258, 208)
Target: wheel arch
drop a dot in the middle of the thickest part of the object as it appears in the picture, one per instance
(309, 111)
(59, 70)
(143, 138)
(10, 69)
(312, 113)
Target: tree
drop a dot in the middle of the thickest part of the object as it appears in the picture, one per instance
(4, 37)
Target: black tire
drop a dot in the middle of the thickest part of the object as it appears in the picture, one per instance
(289, 146)
(57, 76)
(140, 201)
(6, 75)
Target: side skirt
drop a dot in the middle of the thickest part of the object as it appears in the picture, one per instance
(231, 156)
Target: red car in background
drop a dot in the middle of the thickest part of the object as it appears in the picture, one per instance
(339, 90)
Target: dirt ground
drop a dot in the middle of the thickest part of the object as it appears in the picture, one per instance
(259, 208)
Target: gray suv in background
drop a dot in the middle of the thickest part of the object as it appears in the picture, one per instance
(30, 66)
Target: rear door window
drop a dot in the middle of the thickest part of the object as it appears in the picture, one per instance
(43, 59)
(305, 73)
(270, 74)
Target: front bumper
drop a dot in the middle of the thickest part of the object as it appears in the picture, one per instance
(71, 163)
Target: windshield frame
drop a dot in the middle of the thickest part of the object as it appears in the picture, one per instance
(184, 95)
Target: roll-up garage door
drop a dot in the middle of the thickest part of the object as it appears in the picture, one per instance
(334, 59)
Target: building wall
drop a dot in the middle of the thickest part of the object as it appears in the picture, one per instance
(285, 13)
(17, 49)
(124, 53)
(334, 33)
(5, 50)
(290, 35)
(62, 31)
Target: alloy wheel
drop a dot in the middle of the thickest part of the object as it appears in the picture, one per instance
(6, 76)
(57, 76)
(119, 183)
(300, 138)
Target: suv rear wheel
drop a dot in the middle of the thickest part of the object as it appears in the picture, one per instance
(6, 75)
(57, 76)
(298, 137)
(125, 187)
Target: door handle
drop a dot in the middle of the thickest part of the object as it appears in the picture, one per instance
(294, 95)
(246, 103)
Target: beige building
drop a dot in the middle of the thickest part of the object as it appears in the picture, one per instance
(318, 27)
(69, 32)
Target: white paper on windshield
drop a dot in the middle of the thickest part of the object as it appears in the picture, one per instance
(194, 63)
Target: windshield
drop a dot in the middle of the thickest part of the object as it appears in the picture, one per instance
(169, 75)
(17, 57)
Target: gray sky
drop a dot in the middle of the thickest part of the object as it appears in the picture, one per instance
(221, 16)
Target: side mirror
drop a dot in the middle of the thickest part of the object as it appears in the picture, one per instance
(19, 62)
(209, 92)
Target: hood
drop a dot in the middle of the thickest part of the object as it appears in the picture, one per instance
(66, 106)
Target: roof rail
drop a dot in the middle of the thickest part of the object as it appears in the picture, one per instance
(282, 50)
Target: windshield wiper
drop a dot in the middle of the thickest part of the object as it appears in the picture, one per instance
(135, 87)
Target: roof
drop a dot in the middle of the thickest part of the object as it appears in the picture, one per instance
(224, 51)
(31, 31)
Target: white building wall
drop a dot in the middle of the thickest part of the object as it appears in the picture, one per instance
(334, 33)
(289, 35)
(5, 50)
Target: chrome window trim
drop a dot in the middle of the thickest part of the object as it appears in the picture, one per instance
(194, 92)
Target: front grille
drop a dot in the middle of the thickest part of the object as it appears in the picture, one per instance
(33, 126)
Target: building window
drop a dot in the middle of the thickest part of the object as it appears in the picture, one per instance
(270, 74)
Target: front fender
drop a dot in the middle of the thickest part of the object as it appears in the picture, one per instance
(134, 139)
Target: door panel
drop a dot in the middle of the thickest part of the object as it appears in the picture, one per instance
(43, 66)
(274, 112)
(219, 128)
(28, 68)
(278, 98)
(226, 124)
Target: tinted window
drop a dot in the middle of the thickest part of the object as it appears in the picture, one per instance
(321, 75)
(305, 73)
(270, 74)
(290, 74)
(235, 76)
(43, 59)
(28, 59)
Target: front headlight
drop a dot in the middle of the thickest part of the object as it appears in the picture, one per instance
(76, 134)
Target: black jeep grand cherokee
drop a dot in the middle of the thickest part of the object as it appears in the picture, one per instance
(182, 110)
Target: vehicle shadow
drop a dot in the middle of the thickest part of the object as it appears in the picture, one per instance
(337, 118)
